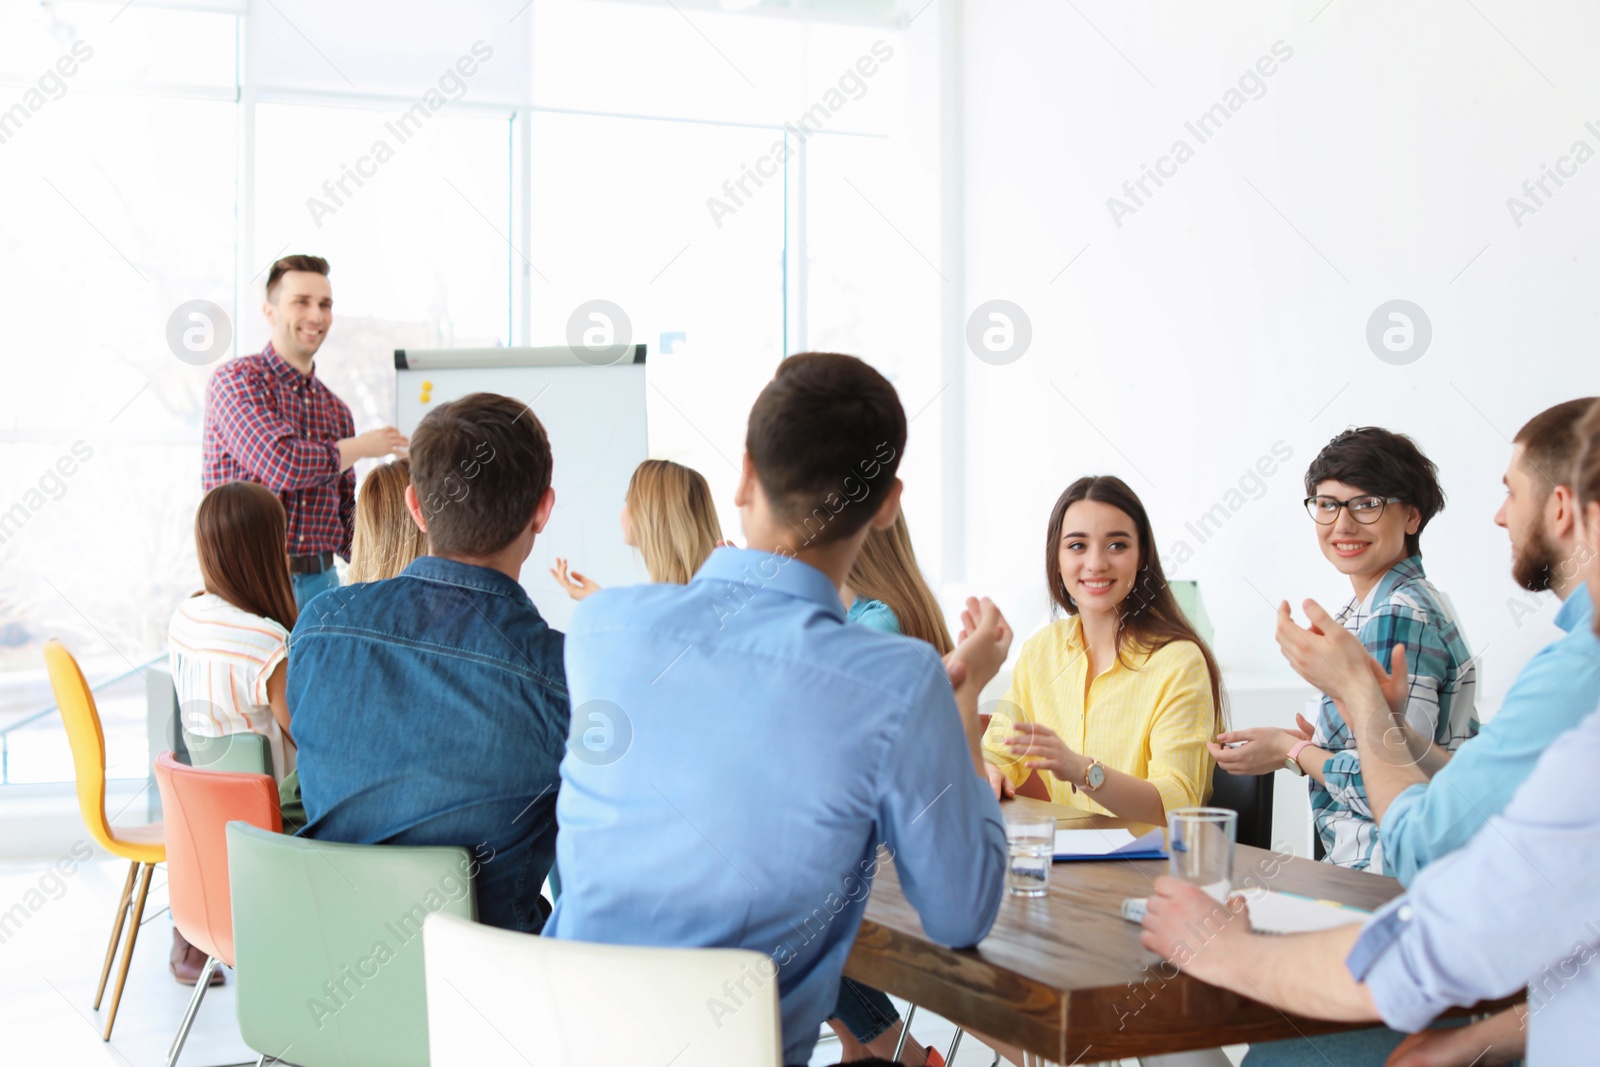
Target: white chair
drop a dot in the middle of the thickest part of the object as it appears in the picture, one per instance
(495, 996)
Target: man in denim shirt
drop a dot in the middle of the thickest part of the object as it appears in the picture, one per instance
(431, 709)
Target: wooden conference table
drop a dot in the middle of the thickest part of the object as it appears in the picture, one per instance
(1064, 976)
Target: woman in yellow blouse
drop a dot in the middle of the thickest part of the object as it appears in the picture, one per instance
(1114, 704)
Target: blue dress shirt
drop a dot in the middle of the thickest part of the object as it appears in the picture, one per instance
(739, 754)
(1556, 690)
(1518, 905)
(430, 709)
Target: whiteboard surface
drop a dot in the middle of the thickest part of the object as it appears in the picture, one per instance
(595, 417)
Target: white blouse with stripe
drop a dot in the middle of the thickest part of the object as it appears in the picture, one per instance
(221, 658)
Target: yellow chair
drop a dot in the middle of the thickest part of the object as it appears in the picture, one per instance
(143, 846)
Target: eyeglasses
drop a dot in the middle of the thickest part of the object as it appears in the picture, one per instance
(1364, 509)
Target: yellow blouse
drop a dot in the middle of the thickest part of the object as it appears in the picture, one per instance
(1151, 720)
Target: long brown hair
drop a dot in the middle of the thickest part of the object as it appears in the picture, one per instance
(673, 518)
(1151, 616)
(887, 571)
(239, 536)
(386, 538)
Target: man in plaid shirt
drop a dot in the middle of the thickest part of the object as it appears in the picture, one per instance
(1372, 493)
(269, 419)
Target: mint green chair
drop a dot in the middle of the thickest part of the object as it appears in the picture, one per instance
(328, 944)
(1187, 594)
(240, 753)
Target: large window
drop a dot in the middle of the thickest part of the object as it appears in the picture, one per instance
(420, 249)
(620, 215)
(118, 155)
(647, 154)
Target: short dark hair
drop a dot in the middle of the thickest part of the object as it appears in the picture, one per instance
(1383, 463)
(480, 466)
(826, 436)
(310, 264)
(1549, 444)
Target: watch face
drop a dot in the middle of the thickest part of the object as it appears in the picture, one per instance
(1097, 776)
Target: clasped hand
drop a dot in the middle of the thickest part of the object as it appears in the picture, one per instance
(1042, 749)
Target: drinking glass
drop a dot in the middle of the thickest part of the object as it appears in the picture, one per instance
(1030, 849)
(1200, 844)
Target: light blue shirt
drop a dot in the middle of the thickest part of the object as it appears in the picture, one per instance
(873, 613)
(1517, 906)
(1555, 691)
(738, 755)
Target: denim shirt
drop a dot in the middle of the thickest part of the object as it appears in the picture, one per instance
(431, 709)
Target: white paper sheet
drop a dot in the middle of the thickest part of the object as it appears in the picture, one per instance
(1104, 842)
(1290, 913)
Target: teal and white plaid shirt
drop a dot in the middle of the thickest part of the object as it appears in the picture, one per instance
(1404, 608)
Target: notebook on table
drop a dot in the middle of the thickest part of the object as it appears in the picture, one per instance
(1077, 845)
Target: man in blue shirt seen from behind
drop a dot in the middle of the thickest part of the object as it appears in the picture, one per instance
(431, 708)
(739, 753)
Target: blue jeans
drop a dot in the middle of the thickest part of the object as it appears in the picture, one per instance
(307, 586)
(865, 1012)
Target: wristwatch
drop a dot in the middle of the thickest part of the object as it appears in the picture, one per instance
(1292, 763)
(1094, 777)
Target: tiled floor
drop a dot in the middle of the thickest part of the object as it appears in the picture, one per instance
(50, 964)
(50, 960)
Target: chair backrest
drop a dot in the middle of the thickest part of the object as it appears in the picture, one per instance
(198, 805)
(242, 752)
(82, 720)
(1251, 796)
(328, 941)
(1187, 594)
(500, 997)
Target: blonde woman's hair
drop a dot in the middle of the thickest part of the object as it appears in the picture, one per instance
(386, 537)
(674, 522)
(887, 571)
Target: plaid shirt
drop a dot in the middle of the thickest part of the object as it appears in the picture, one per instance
(266, 422)
(1404, 608)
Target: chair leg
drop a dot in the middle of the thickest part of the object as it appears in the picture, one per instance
(905, 1031)
(200, 988)
(955, 1043)
(116, 932)
(127, 952)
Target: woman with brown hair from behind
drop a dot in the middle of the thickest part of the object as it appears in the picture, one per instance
(229, 643)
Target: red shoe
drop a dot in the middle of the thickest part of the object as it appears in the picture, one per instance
(935, 1058)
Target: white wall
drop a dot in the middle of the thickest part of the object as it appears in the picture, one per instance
(1228, 312)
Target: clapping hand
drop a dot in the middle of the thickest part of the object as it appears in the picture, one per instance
(576, 585)
(985, 641)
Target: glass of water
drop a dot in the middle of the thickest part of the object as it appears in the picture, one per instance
(1030, 849)
(1200, 844)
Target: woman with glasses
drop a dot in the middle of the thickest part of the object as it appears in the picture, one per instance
(1371, 493)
